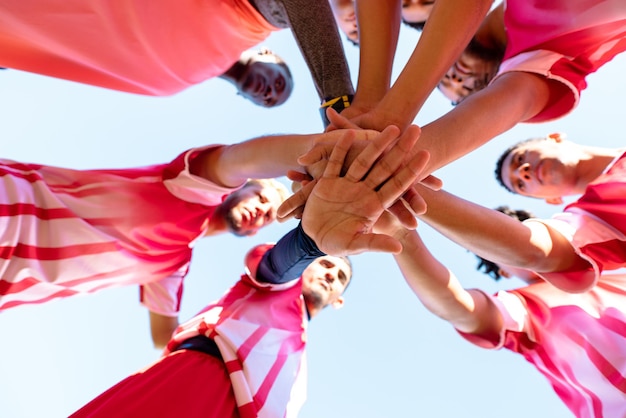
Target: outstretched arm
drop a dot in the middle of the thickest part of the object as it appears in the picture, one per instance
(451, 25)
(512, 98)
(469, 311)
(529, 245)
(263, 157)
(313, 26)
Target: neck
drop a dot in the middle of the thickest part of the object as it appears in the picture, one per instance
(234, 73)
(217, 224)
(593, 164)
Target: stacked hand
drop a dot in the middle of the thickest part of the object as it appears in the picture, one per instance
(341, 210)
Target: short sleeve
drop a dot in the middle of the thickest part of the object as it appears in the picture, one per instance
(552, 66)
(570, 225)
(164, 296)
(514, 316)
(190, 188)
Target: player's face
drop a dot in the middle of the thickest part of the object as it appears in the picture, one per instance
(346, 18)
(541, 169)
(324, 280)
(416, 11)
(266, 82)
(470, 73)
(251, 208)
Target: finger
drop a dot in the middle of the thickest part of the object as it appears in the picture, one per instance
(293, 202)
(403, 214)
(414, 201)
(297, 176)
(318, 152)
(393, 158)
(338, 156)
(338, 121)
(404, 178)
(432, 182)
(367, 158)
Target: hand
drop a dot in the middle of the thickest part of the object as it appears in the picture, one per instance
(340, 212)
(362, 117)
(341, 121)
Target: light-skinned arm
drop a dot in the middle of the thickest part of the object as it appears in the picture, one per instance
(438, 289)
(263, 157)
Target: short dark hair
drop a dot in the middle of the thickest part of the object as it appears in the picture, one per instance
(415, 25)
(498, 171)
(489, 267)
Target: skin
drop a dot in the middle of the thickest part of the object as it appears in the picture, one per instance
(345, 16)
(416, 10)
(375, 105)
(260, 78)
(250, 209)
(231, 166)
(323, 283)
(479, 62)
(553, 167)
(528, 245)
(330, 217)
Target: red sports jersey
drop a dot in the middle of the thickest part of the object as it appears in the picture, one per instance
(67, 232)
(596, 224)
(563, 40)
(260, 330)
(577, 341)
(148, 47)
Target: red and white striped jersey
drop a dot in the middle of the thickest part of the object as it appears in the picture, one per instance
(563, 40)
(260, 329)
(66, 232)
(576, 340)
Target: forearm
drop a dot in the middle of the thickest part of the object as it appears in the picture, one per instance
(262, 157)
(449, 28)
(438, 288)
(379, 26)
(496, 236)
(483, 116)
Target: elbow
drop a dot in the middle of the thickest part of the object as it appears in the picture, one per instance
(160, 341)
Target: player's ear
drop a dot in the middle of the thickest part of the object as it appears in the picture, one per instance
(557, 136)
(338, 303)
(554, 200)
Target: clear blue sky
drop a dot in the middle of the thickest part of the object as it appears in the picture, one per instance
(383, 355)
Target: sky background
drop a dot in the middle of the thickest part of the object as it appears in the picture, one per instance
(382, 355)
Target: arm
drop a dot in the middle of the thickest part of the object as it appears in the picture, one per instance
(288, 258)
(449, 29)
(469, 311)
(529, 245)
(262, 157)
(510, 99)
(161, 328)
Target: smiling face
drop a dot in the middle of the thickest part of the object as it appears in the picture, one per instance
(324, 281)
(251, 208)
(266, 80)
(472, 72)
(542, 168)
